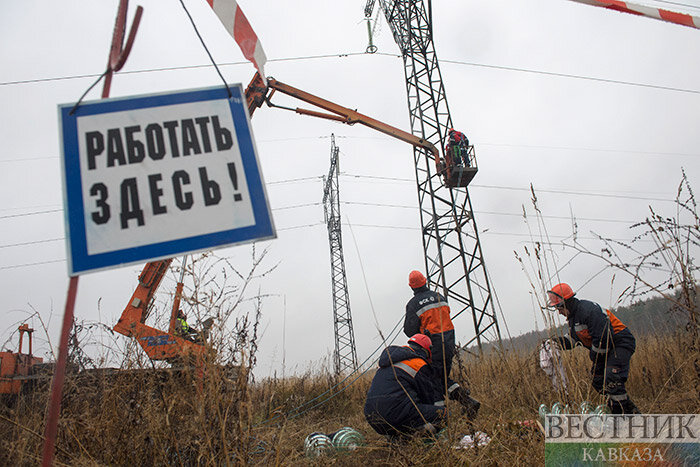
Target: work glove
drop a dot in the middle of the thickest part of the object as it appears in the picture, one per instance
(471, 406)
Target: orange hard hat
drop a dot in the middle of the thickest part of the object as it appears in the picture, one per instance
(416, 279)
(559, 293)
(422, 340)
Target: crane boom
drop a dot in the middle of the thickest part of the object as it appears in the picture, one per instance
(349, 116)
(454, 174)
(338, 112)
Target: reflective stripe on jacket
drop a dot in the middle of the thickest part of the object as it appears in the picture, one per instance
(429, 311)
(596, 330)
(403, 390)
(435, 317)
(182, 327)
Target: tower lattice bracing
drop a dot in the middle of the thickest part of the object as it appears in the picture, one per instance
(453, 257)
(345, 356)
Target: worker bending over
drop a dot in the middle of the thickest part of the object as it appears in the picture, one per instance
(428, 313)
(609, 342)
(400, 400)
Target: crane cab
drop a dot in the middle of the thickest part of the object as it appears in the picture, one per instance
(16, 368)
(459, 166)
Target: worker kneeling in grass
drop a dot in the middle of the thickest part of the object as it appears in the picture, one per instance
(403, 391)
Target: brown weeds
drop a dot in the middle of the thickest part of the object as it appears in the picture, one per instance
(144, 413)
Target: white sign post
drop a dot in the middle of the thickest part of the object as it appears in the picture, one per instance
(155, 176)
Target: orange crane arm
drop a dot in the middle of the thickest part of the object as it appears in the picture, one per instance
(159, 345)
(257, 93)
(455, 172)
(349, 116)
(136, 310)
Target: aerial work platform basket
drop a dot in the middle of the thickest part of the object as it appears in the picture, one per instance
(459, 167)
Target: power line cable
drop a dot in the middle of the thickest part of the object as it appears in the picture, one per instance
(504, 187)
(178, 68)
(569, 75)
(387, 138)
(493, 213)
(315, 224)
(29, 159)
(488, 232)
(15, 266)
(40, 206)
(31, 213)
(356, 203)
(569, 148)
(61, 210)
(296, 180)
(499, 187)
(579, 193)
(295, 206)
(35, 242)
(485, 232)
(343, 55)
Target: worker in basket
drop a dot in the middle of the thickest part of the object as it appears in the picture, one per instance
(428, 313)
(400, 400)
(183, 329)
(610, 344)
(457, 148)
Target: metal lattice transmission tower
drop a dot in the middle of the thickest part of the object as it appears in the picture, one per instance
(453, 257)
(345, 356)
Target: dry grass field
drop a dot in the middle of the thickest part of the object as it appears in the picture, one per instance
(141, 415)
(151, 417)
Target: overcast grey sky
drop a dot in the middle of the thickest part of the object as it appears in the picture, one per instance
(591, 145)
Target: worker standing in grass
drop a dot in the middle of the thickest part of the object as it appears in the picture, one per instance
(400, 398)
(428, 313)
(610, 344)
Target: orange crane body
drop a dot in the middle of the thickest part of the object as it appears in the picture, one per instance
(16, 368)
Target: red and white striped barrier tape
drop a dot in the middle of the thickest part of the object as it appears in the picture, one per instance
(238, 26)
(656, 13)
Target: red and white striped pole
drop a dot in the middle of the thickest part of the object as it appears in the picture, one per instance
(240, 29)
(650, 12)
